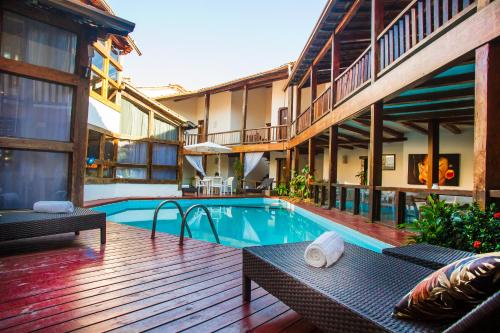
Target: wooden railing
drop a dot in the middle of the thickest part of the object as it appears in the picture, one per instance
(303, 120)
(191, 139)
(354, 76)
(266, 134)
(225, 138)
(416, 22)
(322, 104)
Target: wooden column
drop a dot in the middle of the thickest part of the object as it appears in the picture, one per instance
(242, 161)
(333, 148)
(314, 90)
(180, 157)
(288, 166)
(377, 25)
(375, 160)
(79, 134)
(335, 70)
(486, 132)
(296, 159)
(244, 113)
(311, 152)
(433, 153)
(207, 111)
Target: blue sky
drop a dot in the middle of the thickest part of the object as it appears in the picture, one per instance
(197, 43)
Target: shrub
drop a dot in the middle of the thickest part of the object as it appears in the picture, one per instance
(466, 228)
(300, 184)
(282, 189)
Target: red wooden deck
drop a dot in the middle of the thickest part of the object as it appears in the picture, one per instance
(62, 283)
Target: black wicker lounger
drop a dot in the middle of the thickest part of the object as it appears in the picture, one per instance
(26, 224)
(356, 294)
(427, 255)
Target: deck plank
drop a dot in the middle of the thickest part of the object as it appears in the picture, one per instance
(66, 282)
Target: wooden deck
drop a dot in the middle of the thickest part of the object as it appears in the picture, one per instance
(132, 284)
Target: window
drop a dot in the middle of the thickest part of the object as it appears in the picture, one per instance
(164, 174)
(131, 173)
(165, 131)
(34, 109)
(132, 152)
(164, 154)
(133, 121)
(30, 176)
(37, 43)
(105, 73)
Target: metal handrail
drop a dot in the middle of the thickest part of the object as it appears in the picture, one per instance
(184, 223)
(157, 210)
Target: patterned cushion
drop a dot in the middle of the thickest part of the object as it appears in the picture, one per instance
(453, 290)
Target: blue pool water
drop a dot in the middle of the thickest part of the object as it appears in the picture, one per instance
(239, 222)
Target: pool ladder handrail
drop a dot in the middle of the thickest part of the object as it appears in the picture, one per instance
(185, 225)
(157, 210)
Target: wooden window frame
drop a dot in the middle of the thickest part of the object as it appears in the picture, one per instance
(105, 51)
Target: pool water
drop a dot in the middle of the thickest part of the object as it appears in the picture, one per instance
(239, 222)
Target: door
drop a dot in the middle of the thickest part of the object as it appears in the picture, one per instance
(282, 120)
(280, 164)
(201, 131)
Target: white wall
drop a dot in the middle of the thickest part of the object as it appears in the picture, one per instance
(106, 191)
(279, 99)
(259, 107)
(103, 116)
(219, 119)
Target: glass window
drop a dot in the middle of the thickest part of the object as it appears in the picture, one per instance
(165, 131)
(164, 174)
(113, 72)
(34, 109)
(164, 154)
(132, 152)
(96, 83)
(109, 148)
(131, 173)
(37, 43)
(30, 176)
(98, 60)
(112, 93)
(93, 145)
(115, 53)
(133, 121)
(107, 171)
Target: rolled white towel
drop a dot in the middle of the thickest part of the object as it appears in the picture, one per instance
(53, 207)
(325, 250)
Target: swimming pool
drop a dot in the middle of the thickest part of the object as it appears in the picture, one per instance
(239, 222)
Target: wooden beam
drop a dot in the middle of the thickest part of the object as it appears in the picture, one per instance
(311, 151)
(486, 133)
(207, 111)
(377, 25)
(288, 166)
(452, 128)
(355, 130)
(333, 148)
(335, 67)
(244, 114)
(296, 159)
(314, 90)
(387, 129)
(415, 127)
(348, 16)
(375, 160)
(433, 153)
(323, 51)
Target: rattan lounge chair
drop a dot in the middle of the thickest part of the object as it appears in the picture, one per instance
(25, 224)
(427, 255)
(266, 183)
(356, 294)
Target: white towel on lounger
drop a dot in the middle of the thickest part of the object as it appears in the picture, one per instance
(53, 207)
(325, 250)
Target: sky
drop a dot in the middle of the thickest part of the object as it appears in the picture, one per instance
(199, 43)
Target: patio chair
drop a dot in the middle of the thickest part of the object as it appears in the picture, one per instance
(356, 294)
(217, 183)
(266, 183)
(200, 185)
(25, 224)
(228, 184)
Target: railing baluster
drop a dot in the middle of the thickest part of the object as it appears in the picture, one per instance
(428, 17)
(401, 38)
(413, 27)
(445, 11)
(454, 7)
(436, 15)
(407, 33)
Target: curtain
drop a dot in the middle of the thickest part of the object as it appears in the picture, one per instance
(196, 162)
(164, 174)
(34, 109)
(37, 43)
(132, 152)
(251, 161)
(133, 121)
(131, 173)
(30, 176)
(164, 154)
(165, 131)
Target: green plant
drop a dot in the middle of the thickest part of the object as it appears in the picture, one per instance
(300, 184)
(282, 189)
(238, 173)
(466, 228)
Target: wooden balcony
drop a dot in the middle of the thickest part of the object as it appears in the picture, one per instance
(354, 77)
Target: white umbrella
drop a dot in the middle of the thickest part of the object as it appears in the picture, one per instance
(209, 147)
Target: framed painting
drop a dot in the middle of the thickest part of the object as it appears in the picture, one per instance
(388, 162)
(449, 169)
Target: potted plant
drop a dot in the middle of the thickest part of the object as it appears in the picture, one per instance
(238, 173)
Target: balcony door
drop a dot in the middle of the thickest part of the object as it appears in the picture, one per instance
(282, 120)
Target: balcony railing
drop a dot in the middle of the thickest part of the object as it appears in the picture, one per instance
(322, 104)
(354, 76)
(225, 138)
(191, 139)
(417, 21)
(266, 134)
(304, 120)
